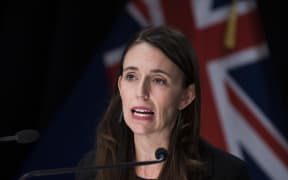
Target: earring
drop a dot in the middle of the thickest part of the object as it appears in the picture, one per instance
(120, 119)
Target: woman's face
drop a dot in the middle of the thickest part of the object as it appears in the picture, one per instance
(151, 90)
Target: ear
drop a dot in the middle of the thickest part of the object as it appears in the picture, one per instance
(187, 97)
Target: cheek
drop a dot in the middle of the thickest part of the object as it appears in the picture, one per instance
(125, 91)
(125, 99)
(167, 101)
(126, 94)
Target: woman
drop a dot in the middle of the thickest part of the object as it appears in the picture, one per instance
(156, 103)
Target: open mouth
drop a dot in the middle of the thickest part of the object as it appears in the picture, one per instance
(142, 113)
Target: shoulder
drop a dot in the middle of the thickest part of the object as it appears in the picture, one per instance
(221, 164)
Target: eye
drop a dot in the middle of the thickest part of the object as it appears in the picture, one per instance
(159, 81)
(130, 77)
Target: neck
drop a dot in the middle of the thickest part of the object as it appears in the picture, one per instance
(145, 148)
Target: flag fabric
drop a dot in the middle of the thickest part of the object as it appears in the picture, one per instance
(241, 109)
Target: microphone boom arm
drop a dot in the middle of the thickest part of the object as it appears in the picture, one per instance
(88, 168)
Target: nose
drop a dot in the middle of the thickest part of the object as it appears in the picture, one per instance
(143, 89)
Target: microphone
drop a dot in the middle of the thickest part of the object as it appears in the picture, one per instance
(23, 136)
(161, 155)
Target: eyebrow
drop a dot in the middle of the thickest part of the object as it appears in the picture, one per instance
(161, 71)
(153, 71)
(130, 68)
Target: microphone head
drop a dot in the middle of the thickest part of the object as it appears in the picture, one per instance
(27, 136)
(161, 154)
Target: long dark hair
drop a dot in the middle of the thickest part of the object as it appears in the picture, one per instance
(115, 140)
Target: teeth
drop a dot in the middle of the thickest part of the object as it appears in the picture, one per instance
(141, 110)
(142, 114)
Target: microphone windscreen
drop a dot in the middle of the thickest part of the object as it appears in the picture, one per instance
(27, 136)
(161, 153)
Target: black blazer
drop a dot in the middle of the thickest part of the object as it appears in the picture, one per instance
(220, 164)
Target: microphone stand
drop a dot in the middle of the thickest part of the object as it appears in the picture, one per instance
(59, 171)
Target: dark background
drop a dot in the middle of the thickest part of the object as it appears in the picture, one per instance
(44, 46)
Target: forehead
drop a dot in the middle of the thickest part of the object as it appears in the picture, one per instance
(144, 55)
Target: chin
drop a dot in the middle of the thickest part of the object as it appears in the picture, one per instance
(140, 131)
